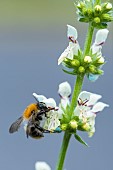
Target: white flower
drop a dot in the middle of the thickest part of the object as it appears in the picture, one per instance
(52, 120)
(73, 47)
(87, 108)
(72, 33)
(42, 166)
(64, 90)
(100, 39)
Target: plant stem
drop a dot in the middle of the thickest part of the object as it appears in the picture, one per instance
(76, 91)
(63, 151)
(88, 39)
(97, 2)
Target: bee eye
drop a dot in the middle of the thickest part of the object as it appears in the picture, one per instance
(42, 105)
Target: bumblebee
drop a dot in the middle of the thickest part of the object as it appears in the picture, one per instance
(32, 110)
(33, 128)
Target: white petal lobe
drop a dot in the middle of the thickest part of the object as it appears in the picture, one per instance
(99, 107)
(101, 36)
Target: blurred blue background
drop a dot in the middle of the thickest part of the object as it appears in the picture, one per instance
(32, 37)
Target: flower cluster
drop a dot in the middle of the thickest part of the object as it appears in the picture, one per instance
(83, 117)
(75, 61)
(97, 14)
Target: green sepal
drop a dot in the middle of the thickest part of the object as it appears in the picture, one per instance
(100, 26)
(82, 19)
(77, 137)
(69, 72)
(66, 115)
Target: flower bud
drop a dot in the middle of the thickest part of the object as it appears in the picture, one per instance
(86, 127)
(100, 72)
(84, 11)
(64, 127)
(97, 20)
(87, 59)
(106, 17)
(89, 12)
(75, 63)
(92, 68)
(73, 124)
(81, 69)
(98, 8)
(80, 5)
(109, 6)
(100, 60)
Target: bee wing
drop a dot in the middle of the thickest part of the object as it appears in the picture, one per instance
(16, 125)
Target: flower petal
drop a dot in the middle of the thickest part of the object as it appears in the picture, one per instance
(42, 166)
(101, 36)
(52, 122)
(96, 49)
(99, 107)
(64, 89)
(74, 48)
(50, 102)
(93, 99)
(72, 33)
(40, 98)
(93, 77)
(68, 53)
(84, 96)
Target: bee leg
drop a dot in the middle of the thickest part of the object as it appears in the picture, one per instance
(16, 125)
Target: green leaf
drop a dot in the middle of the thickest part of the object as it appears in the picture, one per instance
(77, 137)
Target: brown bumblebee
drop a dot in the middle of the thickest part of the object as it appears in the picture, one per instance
(33, 114)
(33, 128)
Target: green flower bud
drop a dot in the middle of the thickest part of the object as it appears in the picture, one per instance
(92, 68)
(89, 12)
(106, 17)
(100, 72)
(73, 124)
(100, 60)
(96, 20)
(84, 11)
(98, 8)
(75, 63)
(80, 5)
(81, 69)
(64, 127)
(86, 127)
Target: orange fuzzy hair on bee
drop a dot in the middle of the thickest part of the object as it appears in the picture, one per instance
(29, 110)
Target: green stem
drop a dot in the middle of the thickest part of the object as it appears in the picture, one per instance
(76, 91)
(97, 2)
(88, 39)
(63, 151)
